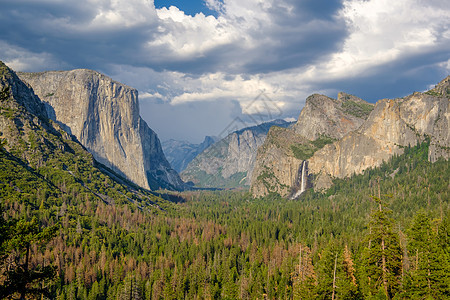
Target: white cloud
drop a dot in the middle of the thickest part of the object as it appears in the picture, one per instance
(20, 59)
(117, 13)
(286, 49)
(187, 37)
(383, 31)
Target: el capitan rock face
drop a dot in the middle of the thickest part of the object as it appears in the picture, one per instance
(375, 136)
(104, 116)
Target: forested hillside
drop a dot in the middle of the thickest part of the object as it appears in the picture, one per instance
(226, 245)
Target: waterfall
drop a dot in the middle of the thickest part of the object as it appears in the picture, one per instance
(302, 189)
(302, 183)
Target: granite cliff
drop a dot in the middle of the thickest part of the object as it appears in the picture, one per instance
(392, 126)
(41, 164)
(229, 162)
(104, 116)
(280, 166)
(362, 136)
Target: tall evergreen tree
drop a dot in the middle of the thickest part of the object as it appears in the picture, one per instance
(20, 277)
(430, 266)
(382, 256)
(336, 274)
(305, 275)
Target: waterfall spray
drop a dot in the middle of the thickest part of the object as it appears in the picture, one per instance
(302, 189)
(302, 183)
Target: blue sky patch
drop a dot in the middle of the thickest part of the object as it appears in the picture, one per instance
(190, 7)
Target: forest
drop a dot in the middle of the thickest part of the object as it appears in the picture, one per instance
(384, 234)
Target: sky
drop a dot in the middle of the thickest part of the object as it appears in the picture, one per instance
(206, 67)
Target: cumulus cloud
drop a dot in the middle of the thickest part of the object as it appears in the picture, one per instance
(283, 49)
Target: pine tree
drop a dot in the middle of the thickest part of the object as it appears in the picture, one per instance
(347, 287)
(131, 289)
(20, 278)
(305, 276)
(429, 272)
(382, 258)
(336, 274)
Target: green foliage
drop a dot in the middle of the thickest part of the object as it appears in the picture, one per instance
(115, 243)
(19, 277)
(336, 273)
(303, 151)
(5, 93)
(433, 93)
(307, 150)
(382, 257)
(322, 141)
(357, 109)
(430, 263)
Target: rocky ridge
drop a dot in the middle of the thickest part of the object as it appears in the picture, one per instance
(380, 133)
(278, 167)
(181, 153)
(104, 116)
(392, 126)
(39, 160)
(229, 162)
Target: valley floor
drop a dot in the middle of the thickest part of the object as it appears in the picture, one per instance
(384, 234)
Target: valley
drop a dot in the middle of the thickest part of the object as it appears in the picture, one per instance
(349, 202)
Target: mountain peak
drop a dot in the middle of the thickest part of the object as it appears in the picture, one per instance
(325, 116)
(104, 116)
(442, 88)
(16, 89)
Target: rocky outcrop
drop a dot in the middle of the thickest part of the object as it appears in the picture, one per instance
(279, 164)
(104, 116)
(392, 126)
(230, 161)
(361, 143)
(276, 167)
(181, 153)
(39, 159)
(325, 116)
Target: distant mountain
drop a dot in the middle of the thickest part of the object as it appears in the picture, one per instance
(104, 116)
(228, 163)
(338, 138)
(181, 153)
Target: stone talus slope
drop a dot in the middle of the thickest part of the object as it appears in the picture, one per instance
(322, 120)
(230, 161)
(104, 116)
(393, 125)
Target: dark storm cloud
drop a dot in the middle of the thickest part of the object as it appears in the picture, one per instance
(65, 30)
(298, 46)
(187, 67)
(411, 73)
(297, 33)
(317, 9)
